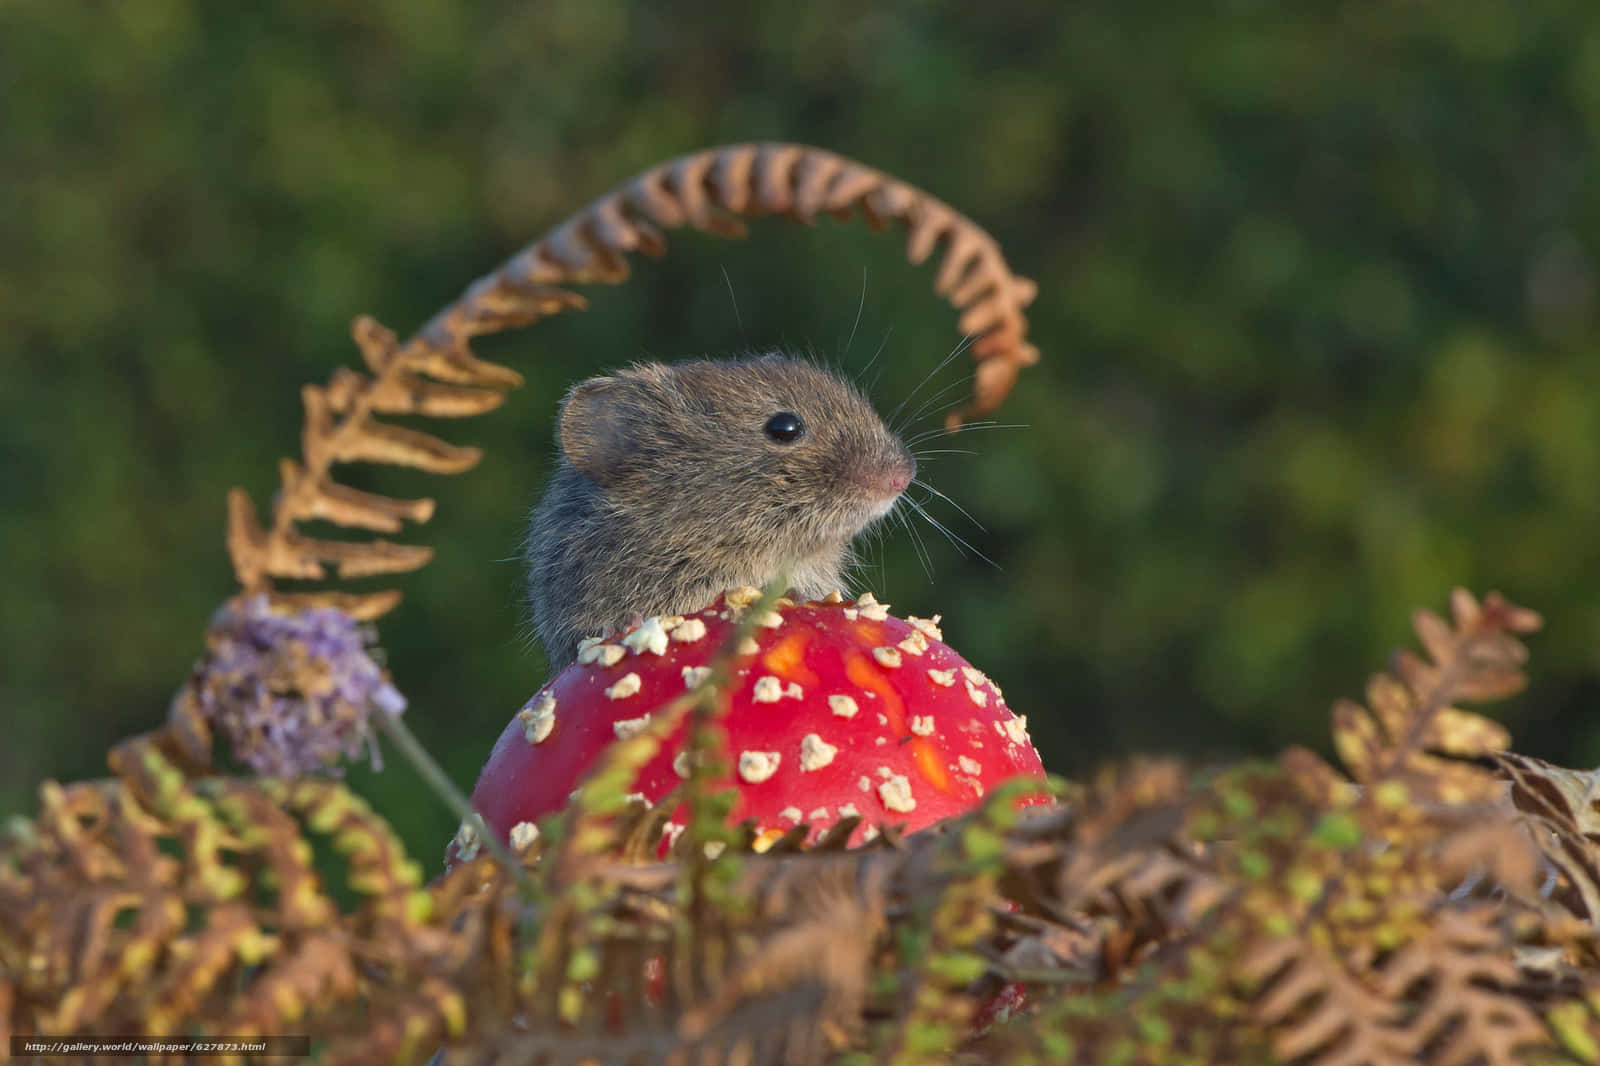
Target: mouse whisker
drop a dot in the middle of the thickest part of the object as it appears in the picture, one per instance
(962, 345)
(936, 397)
(917, 545)
(935, 431)
(955, 539)
(861, 306)
(738, 318)
(942, 451)
(968, 427)
(964, 512)
(873, 557)
(895, 420)
(942, 408)
(916, 535)
(873, 384)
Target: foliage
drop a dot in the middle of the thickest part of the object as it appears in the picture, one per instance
(1317, 287)
(1399, 912)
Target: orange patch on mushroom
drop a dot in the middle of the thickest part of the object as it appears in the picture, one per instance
(871, 632)
(928, 762)
(786, 658)
(861, 671)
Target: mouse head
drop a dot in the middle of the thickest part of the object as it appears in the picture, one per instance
(769, 453)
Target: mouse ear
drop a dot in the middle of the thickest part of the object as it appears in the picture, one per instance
(593, 429)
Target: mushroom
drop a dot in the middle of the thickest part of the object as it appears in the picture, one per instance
(836, 709)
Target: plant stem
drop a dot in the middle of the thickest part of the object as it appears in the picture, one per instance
(435, 778)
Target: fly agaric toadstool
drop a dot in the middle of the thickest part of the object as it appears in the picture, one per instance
(835, 710)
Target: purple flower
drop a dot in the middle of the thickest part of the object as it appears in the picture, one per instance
(293, 691)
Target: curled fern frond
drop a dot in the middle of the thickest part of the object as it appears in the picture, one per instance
(435, 373)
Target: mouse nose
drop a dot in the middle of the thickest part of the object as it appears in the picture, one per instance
(900, 475)
(887, 480)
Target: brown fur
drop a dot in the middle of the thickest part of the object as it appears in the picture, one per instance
(669, 491)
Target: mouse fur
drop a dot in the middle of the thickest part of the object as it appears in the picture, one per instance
(670, 489)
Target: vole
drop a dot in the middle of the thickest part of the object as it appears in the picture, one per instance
(679, 481)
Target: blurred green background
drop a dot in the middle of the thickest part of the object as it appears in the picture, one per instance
(1317, 306)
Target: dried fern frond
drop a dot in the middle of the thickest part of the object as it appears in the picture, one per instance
(1295, 916)
(1562, 809)
(1359, 948)
(159, 903)
(1460, 981)
(1410, 738)
(1320, 1009)
(156, 904)
(435, 373)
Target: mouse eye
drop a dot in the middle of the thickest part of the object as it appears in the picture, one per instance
(785, 427)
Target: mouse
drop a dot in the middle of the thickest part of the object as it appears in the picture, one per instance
(678, 481)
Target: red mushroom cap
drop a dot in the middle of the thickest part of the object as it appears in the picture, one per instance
(836, 709)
